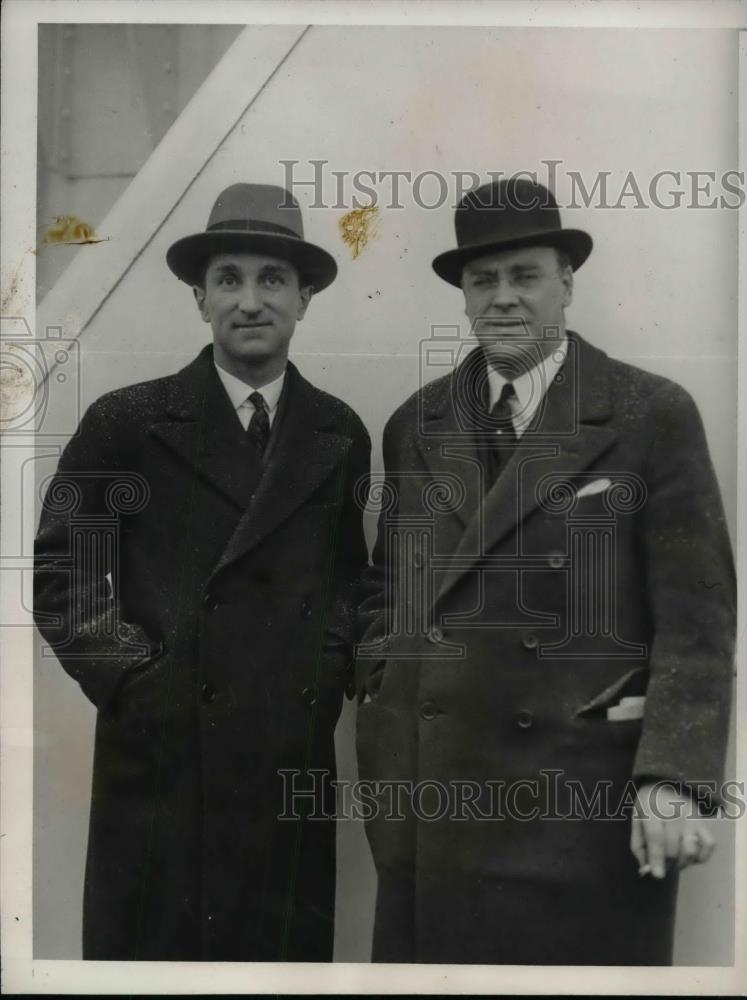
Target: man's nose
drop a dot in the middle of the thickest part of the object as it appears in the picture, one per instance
(249, 299)
(504, 295)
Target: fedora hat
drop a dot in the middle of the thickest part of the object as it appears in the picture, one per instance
(253, 218)
(506, 215)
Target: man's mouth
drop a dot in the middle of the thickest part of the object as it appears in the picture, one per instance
(250, 326)
(503, 322)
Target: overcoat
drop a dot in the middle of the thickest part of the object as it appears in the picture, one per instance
(495, 636)
(212, 631)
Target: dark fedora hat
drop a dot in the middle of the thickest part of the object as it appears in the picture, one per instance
(504, 215)
(253, 218)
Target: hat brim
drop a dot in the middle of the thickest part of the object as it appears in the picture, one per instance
(575, 242)
(188, 256)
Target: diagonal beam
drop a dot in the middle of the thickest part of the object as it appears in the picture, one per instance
(213, 112)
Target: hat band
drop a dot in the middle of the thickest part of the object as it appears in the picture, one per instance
(253, 226)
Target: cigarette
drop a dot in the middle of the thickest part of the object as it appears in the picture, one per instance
(644, 870)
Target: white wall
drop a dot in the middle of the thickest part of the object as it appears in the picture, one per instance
(659, 290)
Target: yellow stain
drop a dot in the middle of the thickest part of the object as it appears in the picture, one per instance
(70, 229)
(358, 226)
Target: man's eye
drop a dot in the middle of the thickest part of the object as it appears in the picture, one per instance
(527, 279)
(228, 279)
(273, 280)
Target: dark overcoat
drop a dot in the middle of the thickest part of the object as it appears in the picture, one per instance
(212, 631)
(496, 636)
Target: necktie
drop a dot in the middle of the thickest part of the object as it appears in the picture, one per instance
(258, 430)
(504, 441)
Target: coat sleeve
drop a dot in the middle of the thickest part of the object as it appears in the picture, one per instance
(691, 594)
(74, 607)
(378, 589)
(349, 556)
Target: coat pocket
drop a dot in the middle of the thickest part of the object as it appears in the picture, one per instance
(369, 676)
(146, 691)
(634, 682)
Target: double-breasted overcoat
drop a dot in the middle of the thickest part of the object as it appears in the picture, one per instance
(495, 637)
(212, 631)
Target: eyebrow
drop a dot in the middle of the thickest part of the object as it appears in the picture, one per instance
(476, 272)
(274, 269)
(266, 269)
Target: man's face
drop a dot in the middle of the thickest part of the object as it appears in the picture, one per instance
(511, 298)
(253, 303)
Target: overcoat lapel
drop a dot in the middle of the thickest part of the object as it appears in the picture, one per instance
(448, 447)
(568, 433)
(201, 427)
(307, 449)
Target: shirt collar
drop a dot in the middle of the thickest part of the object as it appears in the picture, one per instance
(530, 386)
(239, 392)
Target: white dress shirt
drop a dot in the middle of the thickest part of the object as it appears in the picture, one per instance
(530, 387)
(239, 392)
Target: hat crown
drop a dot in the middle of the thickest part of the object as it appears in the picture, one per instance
(258, 208)
(253, 218)
(505, 210)
(506, 215)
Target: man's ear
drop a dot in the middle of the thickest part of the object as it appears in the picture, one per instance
(567, 279)
(199, 294)
(304, 294)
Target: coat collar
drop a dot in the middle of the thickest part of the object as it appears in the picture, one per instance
(569, 431)
(309, 445)
(203, 429)
(593, 402)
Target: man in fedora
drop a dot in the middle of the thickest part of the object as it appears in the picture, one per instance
(213, 633)
(545, 667)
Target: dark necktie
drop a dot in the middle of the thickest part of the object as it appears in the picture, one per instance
(258, 430)
(504, 441)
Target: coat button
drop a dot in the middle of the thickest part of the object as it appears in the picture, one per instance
(210, 602)
(310, 695)
(435, 635)
(428, 711)
(305, 609)
(208, 692)
(524, 719)
(529, 640)
(556, 560)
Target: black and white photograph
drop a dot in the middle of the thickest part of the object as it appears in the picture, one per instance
(371, 430)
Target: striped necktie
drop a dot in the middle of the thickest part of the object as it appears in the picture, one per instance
(504, 442)
(258, 430)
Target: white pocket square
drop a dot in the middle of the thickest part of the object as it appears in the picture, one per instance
(627, 708)
(596, 486)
